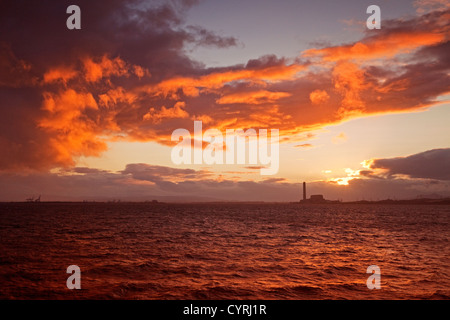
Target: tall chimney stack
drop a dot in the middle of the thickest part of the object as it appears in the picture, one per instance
(304, 190)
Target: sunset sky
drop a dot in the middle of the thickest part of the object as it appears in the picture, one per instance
(88, 114)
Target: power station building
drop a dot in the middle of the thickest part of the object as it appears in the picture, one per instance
(315, 198)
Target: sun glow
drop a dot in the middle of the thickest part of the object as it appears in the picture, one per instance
(342, 181)
(351, 175)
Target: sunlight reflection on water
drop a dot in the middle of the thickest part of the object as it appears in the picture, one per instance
(224, 251)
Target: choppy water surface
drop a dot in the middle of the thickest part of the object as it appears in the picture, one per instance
(217, 251)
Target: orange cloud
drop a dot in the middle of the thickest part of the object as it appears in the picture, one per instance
(319, 97)
(305, 146)
(62, 73)
(252, 97)
(204, 118)
(385, 46)
(74, 134)
(349, 81)
(105, 67)
(118, 95)
(192, 86)
(98, 96)
(167, 113)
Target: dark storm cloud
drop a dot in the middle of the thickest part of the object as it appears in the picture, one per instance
(204, 37)
(85, 170)
(154, 173)
(43, 64)
(431, 164)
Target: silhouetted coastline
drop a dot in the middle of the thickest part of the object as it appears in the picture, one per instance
(421, 201)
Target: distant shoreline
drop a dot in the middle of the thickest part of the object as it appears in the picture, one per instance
(445, 201)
